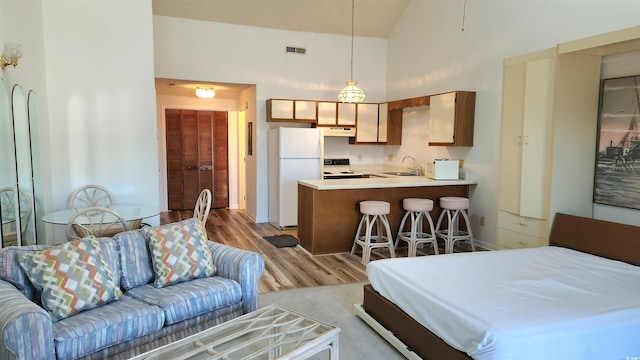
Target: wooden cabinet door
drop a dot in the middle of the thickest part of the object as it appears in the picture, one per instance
(327, 113)
(346, 114)
(442, 115)
(367, 123)
(175, 170)
(220, 188)
(197, 157)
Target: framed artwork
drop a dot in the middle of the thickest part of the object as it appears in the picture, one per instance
(617, 173)
(250, 138)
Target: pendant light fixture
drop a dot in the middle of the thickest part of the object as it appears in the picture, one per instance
(351, 93)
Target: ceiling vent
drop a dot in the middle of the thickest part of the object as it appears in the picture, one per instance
(295, 50)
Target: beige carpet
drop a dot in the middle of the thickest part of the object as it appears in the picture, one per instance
(334, 306)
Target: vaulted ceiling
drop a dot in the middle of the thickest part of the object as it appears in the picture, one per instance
(373, 18)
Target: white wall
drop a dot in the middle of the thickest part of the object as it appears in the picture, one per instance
(93, 76)
(429, 54)
(189, 49)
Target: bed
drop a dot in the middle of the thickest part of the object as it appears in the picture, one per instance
(577, 298)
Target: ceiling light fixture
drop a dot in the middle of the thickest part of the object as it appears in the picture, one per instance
(205, 93)
(351, 93)
(10, 56)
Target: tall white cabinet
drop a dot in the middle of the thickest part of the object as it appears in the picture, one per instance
(526, 144)
(549, 130)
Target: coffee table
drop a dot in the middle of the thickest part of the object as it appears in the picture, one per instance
(272, 332)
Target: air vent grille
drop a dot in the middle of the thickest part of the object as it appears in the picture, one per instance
(295, 50)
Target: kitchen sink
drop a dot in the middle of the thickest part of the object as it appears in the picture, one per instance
(399, 173)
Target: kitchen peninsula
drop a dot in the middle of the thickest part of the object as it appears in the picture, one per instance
(328, 210)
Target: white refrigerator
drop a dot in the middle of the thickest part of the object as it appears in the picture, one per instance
(294, 154)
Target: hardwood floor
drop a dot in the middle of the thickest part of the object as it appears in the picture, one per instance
(285, 268)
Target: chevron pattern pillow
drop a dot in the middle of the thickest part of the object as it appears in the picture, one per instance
(179, 252)
(71, 277)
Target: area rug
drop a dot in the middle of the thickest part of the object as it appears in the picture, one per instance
(334, 305)
(284, 240)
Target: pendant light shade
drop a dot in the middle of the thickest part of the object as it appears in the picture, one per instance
(351, 93)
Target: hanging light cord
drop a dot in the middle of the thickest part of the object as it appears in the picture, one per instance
(464, 13)
(353, 6)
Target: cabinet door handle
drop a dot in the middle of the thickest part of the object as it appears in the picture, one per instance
(519, 140)
(526, 140)
(523, 224)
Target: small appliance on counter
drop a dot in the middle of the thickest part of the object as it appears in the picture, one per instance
(443, 169)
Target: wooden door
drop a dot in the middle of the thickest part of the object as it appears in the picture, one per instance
(197, 157)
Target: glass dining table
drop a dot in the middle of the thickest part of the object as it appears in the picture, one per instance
(130, 213)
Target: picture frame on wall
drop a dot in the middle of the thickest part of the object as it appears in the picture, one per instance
(250, 138)
(617, 172)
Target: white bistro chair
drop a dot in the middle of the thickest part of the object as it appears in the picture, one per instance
(203, 204)
(96, 221)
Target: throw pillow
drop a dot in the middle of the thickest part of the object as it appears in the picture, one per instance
(71, 277)
(179, 252)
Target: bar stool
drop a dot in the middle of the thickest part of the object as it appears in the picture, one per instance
(452, 208)
(417, 210)
(373, 212)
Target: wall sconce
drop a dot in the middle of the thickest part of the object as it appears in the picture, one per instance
(10, 55)
(205, 93)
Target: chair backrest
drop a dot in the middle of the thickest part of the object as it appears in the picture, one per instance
(203, 204)
(8, 204)
(96, 221)
(90, 195)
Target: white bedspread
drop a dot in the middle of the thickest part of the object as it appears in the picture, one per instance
(545, 303)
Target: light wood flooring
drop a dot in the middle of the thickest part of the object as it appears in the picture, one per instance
(285, 268)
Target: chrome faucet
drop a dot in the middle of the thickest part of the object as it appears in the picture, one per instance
(413, 169)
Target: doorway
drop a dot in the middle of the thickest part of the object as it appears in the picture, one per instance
(197, 157)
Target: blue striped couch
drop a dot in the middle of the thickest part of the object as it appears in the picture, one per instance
(145, 318)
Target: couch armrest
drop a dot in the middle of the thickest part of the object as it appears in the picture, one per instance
(243, 266)
(25, 328)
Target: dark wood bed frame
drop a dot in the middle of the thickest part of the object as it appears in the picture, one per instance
(603, 238)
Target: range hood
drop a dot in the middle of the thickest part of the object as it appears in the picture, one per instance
(339, 131)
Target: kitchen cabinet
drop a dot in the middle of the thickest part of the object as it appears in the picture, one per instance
(346, 114)
(367, 124)
(451, 118)
(377, 125)
(331, 113)
(526, 144)
(285, 110)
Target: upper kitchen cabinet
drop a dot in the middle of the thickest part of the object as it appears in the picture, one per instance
(285, 110)
(367, 125)
(331, 113)
(375, 127)
(451, 118)
(346, 114)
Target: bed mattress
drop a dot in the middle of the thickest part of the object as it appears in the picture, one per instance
(543, 303)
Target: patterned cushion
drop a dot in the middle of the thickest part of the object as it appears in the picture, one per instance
(137, 269)
(71, 277)
(179, 252)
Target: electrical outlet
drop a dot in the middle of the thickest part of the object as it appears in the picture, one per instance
(390, 157)
(482, 220)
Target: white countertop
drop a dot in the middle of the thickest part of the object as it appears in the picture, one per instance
(381, 182)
